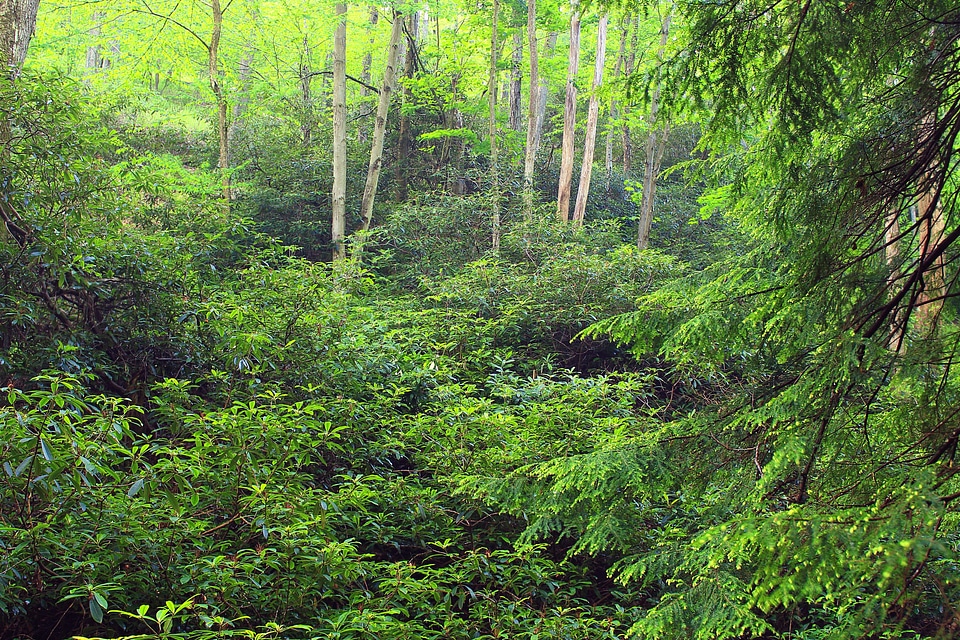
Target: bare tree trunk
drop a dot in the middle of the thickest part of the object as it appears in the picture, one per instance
(630, 64)
(306, 96)
(363, 130)
(544, 94)
(569, 117)
(93, 50)
(614, 104)
(339, 191)
(223, 163)
(405, 143)
(243, 73)
(593, 113)
(492, 102)
(17, 21)
(656, 143)
(515, 76)
(530, 156)
(380, 124)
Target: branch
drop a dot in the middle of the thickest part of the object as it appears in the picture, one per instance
(349, 77)
(151, 12)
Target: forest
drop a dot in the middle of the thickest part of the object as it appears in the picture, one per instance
(441, 319)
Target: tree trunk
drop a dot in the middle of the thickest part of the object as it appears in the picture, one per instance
(891, 254)
(380, 124)
(515, 77)
(94, 60)
(17, 21)
(628, 70)
(339, 191)
(405, 143)
(569, 117)
(593, 113)
(306, 97)
(223, 163)
(243, 100)
(656, 143)
(615, 105)
(530, 156)
(492, 103)
(363, 129)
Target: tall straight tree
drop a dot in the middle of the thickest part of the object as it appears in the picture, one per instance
(515, 79)
(492, 103)
(569, 116)
(530, 154)
(213, 61)
(593, 113)
(656, 142)
(339, 191)
(380, 124)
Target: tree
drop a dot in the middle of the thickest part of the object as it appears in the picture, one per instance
(339, 192)
(569, 116)
(380, 124)
(593, 114)
(492, 103)
(530, 153)
(656, 143)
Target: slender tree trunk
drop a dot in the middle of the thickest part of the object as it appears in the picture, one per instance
(593, 113)
(223, 163)
(339, 191)
(306, 97)
(364, 129)
(380, 124)
(615, 105)
(544, 94)
(515, 78)
(530, 156)
(94, 60)
(243, 100)
(569, 117)
(630, 64)
(492, 103)
(656, 143)
(405, 143)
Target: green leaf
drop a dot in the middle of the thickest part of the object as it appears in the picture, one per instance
(135, 489)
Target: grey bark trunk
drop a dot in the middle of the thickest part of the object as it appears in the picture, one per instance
(569, 117)
(533, 108)
(492, 103)
(380, 124)
(593, 113)
(656, 142)
(339, 191)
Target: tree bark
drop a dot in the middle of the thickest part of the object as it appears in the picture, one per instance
(339, 191)
(306, 97)
(515, 78)
(530, 155)
(94, 59)
(628, 70)
(223, 163)
(17, 21)
(656, 142)
(569, 117)
(380, 124)
(363, 129)
(492, 103)
(593, 113)
(614, 104)
(405, 143)
(243, 100)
